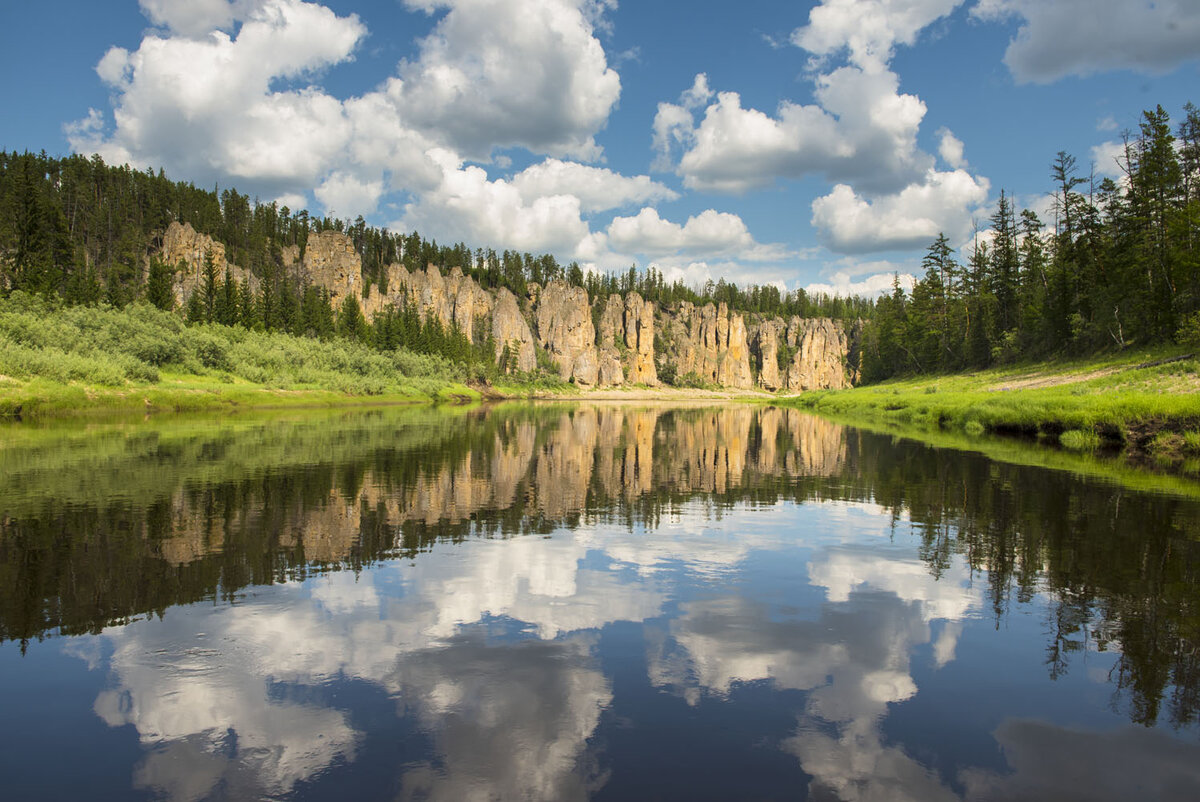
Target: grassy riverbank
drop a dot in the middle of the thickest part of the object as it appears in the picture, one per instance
(1147, 401)
(81, 360)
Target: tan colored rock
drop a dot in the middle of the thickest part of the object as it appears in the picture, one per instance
(470, 304)
(735, 366)
(769, 334)
(711, 343)
(609, 373)
(184, 249)
(565, 330)
(612, 324)
(820, 359)
(639, 339)
(397, 289)
(330, 261)
(612, 321)
(509, 328)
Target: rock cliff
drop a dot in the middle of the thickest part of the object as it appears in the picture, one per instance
(639, 339)
(565, 330)
(819, 360)
(710, 343)
(185, 249)
(609, 343)
(509, 330)
(612, 320)
(329, 261)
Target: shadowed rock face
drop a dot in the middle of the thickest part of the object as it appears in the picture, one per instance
(710, 343)
(768, 350)
(611, 321)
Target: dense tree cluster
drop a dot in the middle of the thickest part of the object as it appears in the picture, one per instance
(1118, 265)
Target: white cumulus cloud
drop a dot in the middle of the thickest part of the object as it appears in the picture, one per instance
(861, 130)
(950, 148)
(597, 188)
(868, 29)
(468, 206)
(944, 202)
(203, 107)
(844, 285)
(710, 232)
(1085, 37)
(499, 73)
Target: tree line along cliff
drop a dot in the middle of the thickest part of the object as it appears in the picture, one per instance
(606, 340)
(1118, 265)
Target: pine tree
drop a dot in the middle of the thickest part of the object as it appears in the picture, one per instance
(160, 285)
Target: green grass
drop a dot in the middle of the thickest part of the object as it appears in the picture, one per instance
(1108, 399)
(63, 361)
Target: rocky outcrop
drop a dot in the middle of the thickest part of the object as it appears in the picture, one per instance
(639, 339)
(768, 352)
(819, 361)
(710, 343)
(511, 332)
(329, 261)
(565, 330)
(454, 299)
(612, 321)
(184, 249)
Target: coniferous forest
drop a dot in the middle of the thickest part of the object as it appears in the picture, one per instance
(1118, 263)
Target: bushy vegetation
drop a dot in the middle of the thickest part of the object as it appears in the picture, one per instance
(141, 346)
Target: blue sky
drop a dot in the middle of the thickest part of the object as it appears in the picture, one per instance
(810, 144)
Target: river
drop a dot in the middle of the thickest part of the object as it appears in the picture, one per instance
(571, 601)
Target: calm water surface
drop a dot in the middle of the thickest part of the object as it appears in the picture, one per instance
(583, 602)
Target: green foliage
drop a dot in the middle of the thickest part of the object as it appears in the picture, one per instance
(159, 282)
(1121, 268)
(133, 346)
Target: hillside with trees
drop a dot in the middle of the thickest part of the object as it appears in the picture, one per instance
(1115, 266)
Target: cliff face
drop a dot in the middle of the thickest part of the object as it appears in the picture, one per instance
(185, 249)
(510, 330)
(329, 261)
(710, 343)
(639, 339)
(612, 344)
(820, 356)
(564, 329)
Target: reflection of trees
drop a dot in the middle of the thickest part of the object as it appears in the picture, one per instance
(97, 528)
(1121, 569)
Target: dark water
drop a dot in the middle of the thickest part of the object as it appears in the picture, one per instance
(562, 603)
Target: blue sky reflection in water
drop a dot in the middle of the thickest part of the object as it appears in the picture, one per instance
(606, 603)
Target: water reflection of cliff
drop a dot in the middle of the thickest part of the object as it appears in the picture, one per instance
(185, 519)
(181, 517)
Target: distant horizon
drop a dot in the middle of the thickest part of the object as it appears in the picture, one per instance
(820, 147)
